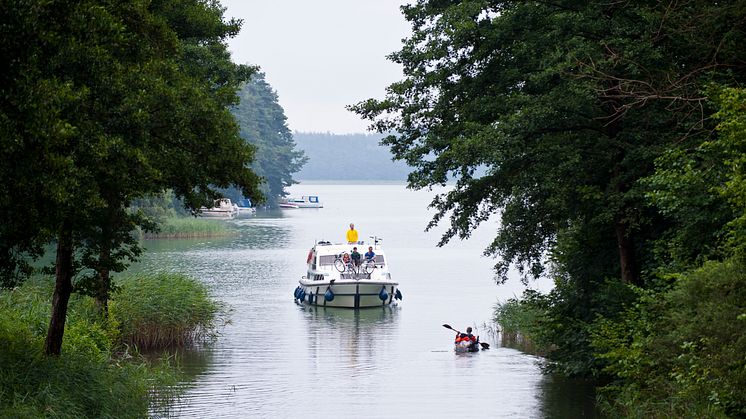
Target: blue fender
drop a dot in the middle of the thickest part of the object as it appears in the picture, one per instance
(329, 295)
(383, 295)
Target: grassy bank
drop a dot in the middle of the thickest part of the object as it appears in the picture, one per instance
(99, 373)
(190, 227)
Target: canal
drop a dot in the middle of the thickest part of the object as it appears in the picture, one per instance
(275, 358)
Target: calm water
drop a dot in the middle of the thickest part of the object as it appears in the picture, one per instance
(278, 359)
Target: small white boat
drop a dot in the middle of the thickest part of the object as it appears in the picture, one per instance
(311, 201)
(335, 281)
(245, 207)
(223, 208)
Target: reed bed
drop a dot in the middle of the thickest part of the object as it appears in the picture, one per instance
(517, 321)
(164, 310)
(87, 380)
(191, 228)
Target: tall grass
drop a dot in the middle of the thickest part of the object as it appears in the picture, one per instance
(517, 320)
(86, 380)
(164, 310)
(190, 227)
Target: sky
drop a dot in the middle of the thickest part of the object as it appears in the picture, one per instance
(321, 55)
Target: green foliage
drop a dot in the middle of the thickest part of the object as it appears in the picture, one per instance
(585, 127)
(104, 103)
(85, 382)
(520, 324)
(160, 206)
(263, 124)
(680, 352)
(732, 145)
(162, 310)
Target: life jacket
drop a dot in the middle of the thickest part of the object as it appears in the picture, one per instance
(310, 256)
(465, 338)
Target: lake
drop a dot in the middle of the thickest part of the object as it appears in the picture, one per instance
(278, 359)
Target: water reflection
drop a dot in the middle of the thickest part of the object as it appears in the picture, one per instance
(567, 398)
(357, 335)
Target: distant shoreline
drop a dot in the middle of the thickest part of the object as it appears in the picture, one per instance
(350, 182)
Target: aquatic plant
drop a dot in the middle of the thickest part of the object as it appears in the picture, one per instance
(164, 310)
(190, 227)
(86, 380)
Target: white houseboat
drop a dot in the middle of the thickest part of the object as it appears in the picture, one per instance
(223, 208)
(334, 279)
(311, 201)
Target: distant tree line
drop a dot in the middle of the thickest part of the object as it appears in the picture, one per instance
(347, 157)
(611, 135)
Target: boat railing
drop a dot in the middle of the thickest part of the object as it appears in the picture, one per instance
(354, 275)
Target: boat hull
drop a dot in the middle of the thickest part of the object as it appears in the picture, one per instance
(347, 293)
(464, 347)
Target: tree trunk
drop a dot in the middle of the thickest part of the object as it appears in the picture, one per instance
(627, 258)
(102, 295)
(62, 290)
(104, 274)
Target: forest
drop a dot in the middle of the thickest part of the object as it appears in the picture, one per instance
(347, 157)
(610, 139)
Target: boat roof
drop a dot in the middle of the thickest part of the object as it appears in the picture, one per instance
(328, 248)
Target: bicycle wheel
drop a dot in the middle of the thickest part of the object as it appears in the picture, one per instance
(339, 265)
(368, 267)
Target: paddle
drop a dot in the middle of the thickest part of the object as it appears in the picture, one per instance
(484, 345)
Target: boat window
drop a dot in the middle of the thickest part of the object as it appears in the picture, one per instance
(379, 260)
(326, 260)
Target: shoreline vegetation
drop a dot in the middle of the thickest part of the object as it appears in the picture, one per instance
(101, 371)
(670, 353)
(190, 228)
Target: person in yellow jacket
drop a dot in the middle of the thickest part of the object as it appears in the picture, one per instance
(352, 234)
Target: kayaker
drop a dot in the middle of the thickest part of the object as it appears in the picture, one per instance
(465, 336)
(352, 234)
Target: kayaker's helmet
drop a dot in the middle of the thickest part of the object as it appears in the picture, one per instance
(468, 329)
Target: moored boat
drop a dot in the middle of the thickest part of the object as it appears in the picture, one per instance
(335, 280)
(245, 207)
(311, 201)
(223, 208)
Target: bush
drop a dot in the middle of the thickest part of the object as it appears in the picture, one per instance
(681, 353)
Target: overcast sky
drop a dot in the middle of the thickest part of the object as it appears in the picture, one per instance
(321, 55)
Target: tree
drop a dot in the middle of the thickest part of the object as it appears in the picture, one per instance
(517, 87)
(263, 124)
(139, 94)
(566, 106)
